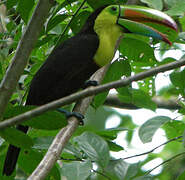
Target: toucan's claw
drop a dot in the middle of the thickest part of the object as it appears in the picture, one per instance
(79, 116)
(68, 114)
(90, 83)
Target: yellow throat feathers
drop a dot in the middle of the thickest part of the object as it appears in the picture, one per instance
(108, 32)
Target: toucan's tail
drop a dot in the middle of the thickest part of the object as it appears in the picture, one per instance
(12, 155)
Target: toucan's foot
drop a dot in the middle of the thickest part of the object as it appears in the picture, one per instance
(68, 114)
(90, 83)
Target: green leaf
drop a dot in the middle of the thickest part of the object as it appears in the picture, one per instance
(50, 120)
(157, 4)
(29, 160)
(97, 3)
(42, 142)
(177, 79)
(177, 9)
(115, 72)
(76, 170)
(70, 148)
(111, 133)
(182, 22)
(145, 177)
(24, 8)
(66, 2)
(11, 3)
(148, 129)
(117, 169)
(171, 3)
(181, 176)
(141, 99)
(131, 48)
(79, 21)
(41, 42)
(124, 94)
(55, 21)
(16, 137)
(94, 147)
(60, 1)
(132, 171)
(40, 122)
(137, 97)
(167, 60)
(183, 138)
(114, 147)
(174, 128)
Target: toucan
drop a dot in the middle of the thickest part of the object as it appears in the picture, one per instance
(73, 62)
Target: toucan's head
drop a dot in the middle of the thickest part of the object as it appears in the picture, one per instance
(138, 20)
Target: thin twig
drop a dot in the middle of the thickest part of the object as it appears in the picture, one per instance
(102, 174)
(152, 150)
(89, 92)
(170, 159)
(141, 154)
(68, 159)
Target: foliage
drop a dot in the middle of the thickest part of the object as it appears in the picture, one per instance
(89, 155)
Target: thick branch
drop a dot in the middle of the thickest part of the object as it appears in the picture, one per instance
(113, 101)
(64, 134)
(23, 52)
(89, 92)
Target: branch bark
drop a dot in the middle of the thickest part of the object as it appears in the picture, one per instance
(113, 101)
(23, 52)
(89, 92)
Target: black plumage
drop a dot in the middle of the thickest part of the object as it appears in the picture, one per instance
(65, 70)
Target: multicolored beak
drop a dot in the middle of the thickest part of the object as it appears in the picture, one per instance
(147, 22)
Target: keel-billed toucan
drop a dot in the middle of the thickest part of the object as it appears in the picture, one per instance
(74, 61)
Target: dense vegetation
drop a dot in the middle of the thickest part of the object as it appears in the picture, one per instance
(88, 154)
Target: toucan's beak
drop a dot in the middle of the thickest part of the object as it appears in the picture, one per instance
(147, 22)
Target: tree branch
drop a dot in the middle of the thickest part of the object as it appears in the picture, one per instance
(23, 52)
(113, 101)
(166, 161)
(152, 150)
(89, 92)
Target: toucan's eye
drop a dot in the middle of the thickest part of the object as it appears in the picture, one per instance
(114, 8)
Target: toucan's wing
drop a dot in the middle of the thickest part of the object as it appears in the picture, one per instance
(65, 70)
